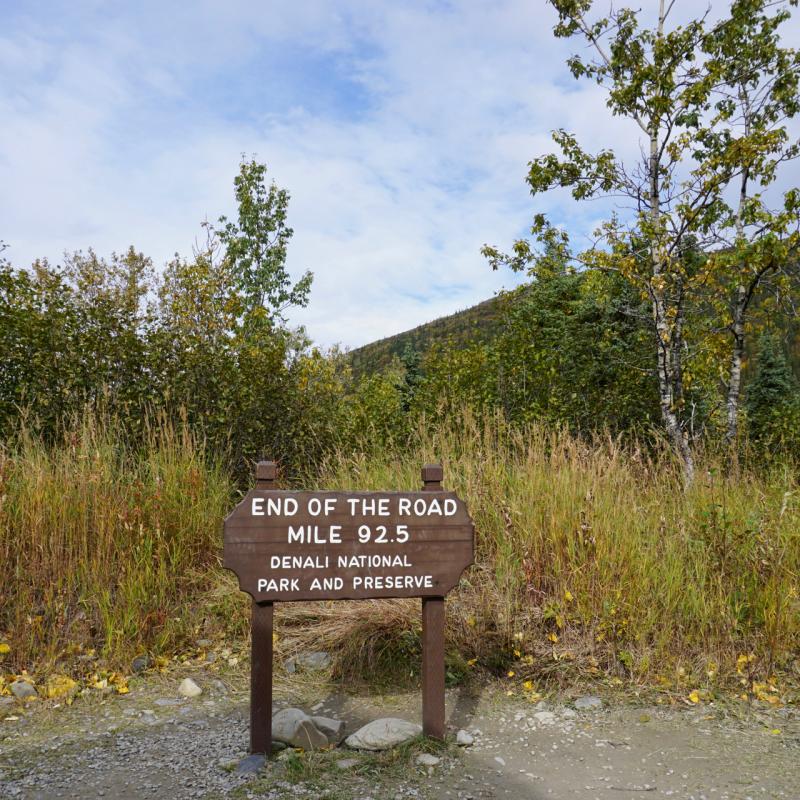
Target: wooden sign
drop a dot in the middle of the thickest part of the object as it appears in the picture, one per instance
(287, 546)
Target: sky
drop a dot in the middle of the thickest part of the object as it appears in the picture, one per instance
(402, 131)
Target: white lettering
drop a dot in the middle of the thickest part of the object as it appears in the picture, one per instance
(281, 505)
(257, 507)
(298, 535)
(404, 505)
(280, 585)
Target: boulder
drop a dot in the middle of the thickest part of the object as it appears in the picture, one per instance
(427, 760)
(382, 734)
(332, 728)
(294, 727)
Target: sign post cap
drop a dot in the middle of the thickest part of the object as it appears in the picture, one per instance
(266, 471)
(432, 473)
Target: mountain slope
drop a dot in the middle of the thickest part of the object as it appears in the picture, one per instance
(479, 323)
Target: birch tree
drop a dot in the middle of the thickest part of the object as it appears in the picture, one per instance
(670, 203)
(755, 242)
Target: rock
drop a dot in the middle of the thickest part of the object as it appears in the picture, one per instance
(204, 642)
(427, 760)
(189, 688)
(250, 764)
(332, 728)
(6, 702)
(545, 717)
(23, 690)
(167, 701)
(278, 746)
(590, 701)
(464, 738)
(500, 761)
(382, 734)
(315, 660)
(141, 663)
(294, 727)
(568, 713)
(347, 763)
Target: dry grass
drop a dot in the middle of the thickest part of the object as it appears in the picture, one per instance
(592, 561)
(105, 549)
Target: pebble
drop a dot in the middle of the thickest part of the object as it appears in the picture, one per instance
(464, 738)
(250, 764)
(23, 690)
(347, 763)
(189, 688)
(427, 760)
(315, 660)
(590, 701)
(141, 663)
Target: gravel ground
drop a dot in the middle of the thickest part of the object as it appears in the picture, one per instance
(151, 743)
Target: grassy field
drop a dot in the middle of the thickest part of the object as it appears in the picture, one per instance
(593, 563)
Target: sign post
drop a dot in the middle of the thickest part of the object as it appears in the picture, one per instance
(288, 546)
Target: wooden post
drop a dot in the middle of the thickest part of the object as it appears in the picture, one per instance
(261, 626)
(433, 639)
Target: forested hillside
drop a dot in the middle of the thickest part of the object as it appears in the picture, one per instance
(474, 325)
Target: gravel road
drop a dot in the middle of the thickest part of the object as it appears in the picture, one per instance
(152, 743)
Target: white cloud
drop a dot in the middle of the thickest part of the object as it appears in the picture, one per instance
(402, 131)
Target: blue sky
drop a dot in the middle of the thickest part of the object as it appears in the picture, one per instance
(401, 130)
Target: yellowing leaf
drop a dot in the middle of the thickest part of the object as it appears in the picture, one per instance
(694, 696)
(527, 685)
(4, 648)
(511, 673)
(568, 596)
(472, 662)
(59, 686)
(552, 637)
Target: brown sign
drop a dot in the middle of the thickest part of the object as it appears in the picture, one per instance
(286, 546)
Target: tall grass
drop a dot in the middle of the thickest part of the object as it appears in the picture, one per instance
(103, 547)
(591, 557)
